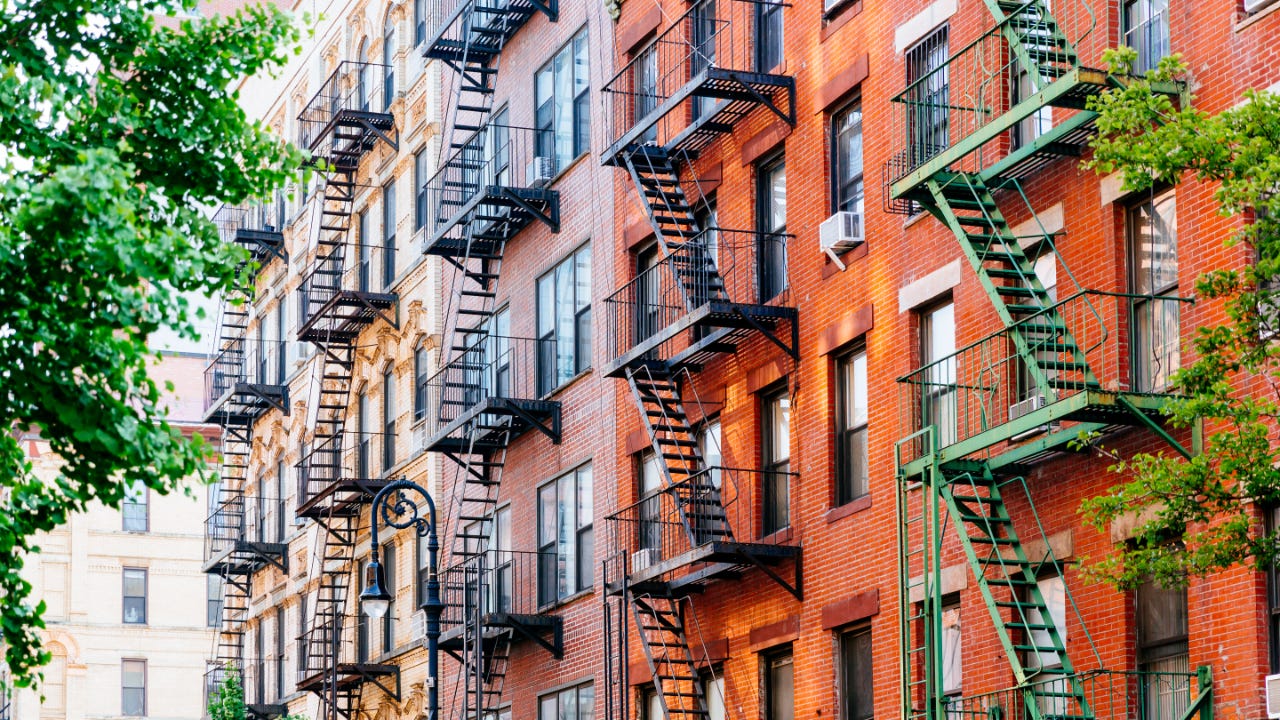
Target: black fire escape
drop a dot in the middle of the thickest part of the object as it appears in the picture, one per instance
(345, 120)
(492, 183)
(710, 290)
(245, 380)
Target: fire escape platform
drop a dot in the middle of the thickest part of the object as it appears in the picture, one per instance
(506, 17)
(720, 559)
(343, 497)
(496, 213)
(266, 711)
(244, 557)
(350, 675)
(344, 315)
(1091, 410)
(737, 93)
(262, 244)
(245, 402)
(363, 130)
(521, 625)
(724, 323)
(473, 430)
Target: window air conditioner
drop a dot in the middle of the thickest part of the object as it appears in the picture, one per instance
(1253, 6)
(642, 559)
(418, 624)
(420, 436)
(1026, 407)
(840, 233)
(540, 171)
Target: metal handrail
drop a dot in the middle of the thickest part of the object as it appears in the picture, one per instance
(351, 88)
(517, 582)
(261, 362)
(493, 366)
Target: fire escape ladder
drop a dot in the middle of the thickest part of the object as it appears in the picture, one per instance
(1007, 580)
(661, 622)
(486, 650)
(233, 614)
(324, 635)
(1051, 356)
(476, 496)
(657, 394)
(653, 171)
(1035, 39)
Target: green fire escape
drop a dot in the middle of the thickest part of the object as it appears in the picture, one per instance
(999, 110)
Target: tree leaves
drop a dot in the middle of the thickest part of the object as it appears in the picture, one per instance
(118, 131)
(1199, 516)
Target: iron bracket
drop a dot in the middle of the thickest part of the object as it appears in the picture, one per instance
(551, 220)
(1154, 426)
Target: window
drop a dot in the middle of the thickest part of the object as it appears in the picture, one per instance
(704, 31)
(768, 35)
(279, 670)
(301, 661)
(1037, 123)
(388, 419)
(952, 648)
(388, 61)
(709, 446)
(421, 374)
(281, 494)
(771, 222)
(561, 107)
(1053, 591)
(256, 687)
(575, 703)
(420, 190)
(937, 358)
(388, 234)
(362, 77)
(713, 692)
(852, 480)
(133, 687)
(365, 238)
(928, 93)
(644, 80)
(363, 435)
(134, 508)
(564, 321)
(1153, 247)
(565, 539)
(135, 596)
(856, 688)
(1045, 270)
(1161, 619)
(419, 22)
(779, 686)
(495, 543)
(650, 502)
(775, 435)
(213, 601)
(1272, 518)
(54, 685)
(1146, 30)
(846, 142)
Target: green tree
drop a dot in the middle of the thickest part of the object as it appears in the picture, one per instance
(1199, 515)
(119, 124)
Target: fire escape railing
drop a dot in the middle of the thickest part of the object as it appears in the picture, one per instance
(355, 90)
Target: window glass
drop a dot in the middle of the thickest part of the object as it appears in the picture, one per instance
(388, 234)
(852, 478)
(937, 356)
(1153, 243)
(1272, 517)
(135, 596)
(952, 649)
(575, 703)
(565, 536)
(776, 481)
(564, 321)
(856, 688)
(772, 210)
(768, 38)
(1161, 619)
(213, 601)
(54, 685)
(419, 22)
(1146, 30)
(133, 685)
(388, 420)
(847, 134)
(561, 104)
(420, 178)
(421, 374)
(928, 91)
(388, 62)
(780, 687)
(134, 508)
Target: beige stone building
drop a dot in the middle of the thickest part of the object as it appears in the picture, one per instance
(316, 378)
(130, 618)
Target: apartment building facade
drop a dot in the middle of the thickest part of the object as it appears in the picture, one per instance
(718, 442)
(127, 619)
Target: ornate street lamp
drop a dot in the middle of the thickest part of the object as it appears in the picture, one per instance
(399, 511)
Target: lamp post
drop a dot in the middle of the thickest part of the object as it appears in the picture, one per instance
(400, 512)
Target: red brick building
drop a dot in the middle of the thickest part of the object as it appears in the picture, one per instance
(769, 328)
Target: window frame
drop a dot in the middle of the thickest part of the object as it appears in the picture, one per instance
(849, 666)
(421, 378)
(850, 434)
(839, 185)
(421, 206)
(388, 420)
(944, 376)
(1145, 374)
(388, 61)
(549, 545)
(1271, 520)
(772, 273)
(125, 597)
(772, 661)
(213, 600)
(559, 693)
(124, 688)
(932, 124)
(548, 118)
(142, 500)
(775, 501)
(1147, 58)
(550, 379)
(389, 234)
(769, 56)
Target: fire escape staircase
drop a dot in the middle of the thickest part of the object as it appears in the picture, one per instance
(964, 189)
(335, 316)
(476, 210)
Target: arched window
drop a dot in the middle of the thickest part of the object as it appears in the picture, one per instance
(362, 77)
(388, 61)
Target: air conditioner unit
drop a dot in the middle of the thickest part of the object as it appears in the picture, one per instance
(642, 559)
(418, 624)
(419, 436)
(840, 233)
(540, 171)
(1271, 688)
(1253, 6)
(1026, 407)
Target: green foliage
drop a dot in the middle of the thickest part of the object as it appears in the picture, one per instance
(226, 702)
(1199, 514)
(120, 126)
